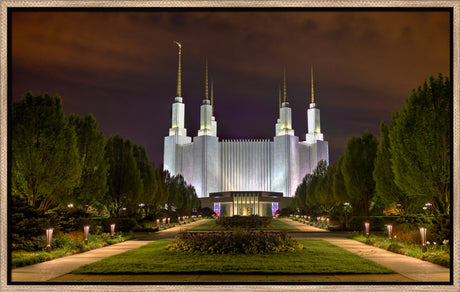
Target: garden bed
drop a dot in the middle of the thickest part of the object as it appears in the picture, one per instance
(211, 225)
(437, 253)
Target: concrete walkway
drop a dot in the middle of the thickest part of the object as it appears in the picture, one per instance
(408, 268)
(54, 268)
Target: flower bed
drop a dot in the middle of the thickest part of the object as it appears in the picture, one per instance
(247, 242)
(437, 253)
(245, 222)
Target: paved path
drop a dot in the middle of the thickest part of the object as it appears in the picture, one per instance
(408, 268)
(54, 268)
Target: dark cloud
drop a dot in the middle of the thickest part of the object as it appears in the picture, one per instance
(121, 66)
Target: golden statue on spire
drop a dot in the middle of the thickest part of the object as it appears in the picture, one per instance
(179, 85)
(206, 84)
(279, 95)
(312, 88)
(284, 90)
(212, 98)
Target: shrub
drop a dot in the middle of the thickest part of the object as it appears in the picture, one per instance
(252, 221)
(122, 224)
(249, 242)
(356, 223)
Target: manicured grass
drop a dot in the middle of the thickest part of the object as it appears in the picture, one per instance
(274, 225)
(437, 254)
(317, 257)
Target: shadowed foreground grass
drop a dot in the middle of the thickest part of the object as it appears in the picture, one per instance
(317, 257)
(212, 226)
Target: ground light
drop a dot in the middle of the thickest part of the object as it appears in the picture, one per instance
(366, 225)
(49, 237)
(390, 229)
(112, 230)
(423, 237)
(86, 232)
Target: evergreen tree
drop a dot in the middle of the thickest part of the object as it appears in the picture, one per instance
(420, 137)
(385, 187)
(357, 169)
(45, 160)
(91, 146)
(124, 180)
(147, 173)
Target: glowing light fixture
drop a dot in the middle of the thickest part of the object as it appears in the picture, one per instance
(390, 229)
(112, 230)
(366, 225)
(86, 232)
(423, 238)
(49, 237)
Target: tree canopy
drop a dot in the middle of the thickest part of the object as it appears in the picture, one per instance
(45, 159)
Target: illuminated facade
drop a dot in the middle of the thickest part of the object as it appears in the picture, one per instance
(235, 166)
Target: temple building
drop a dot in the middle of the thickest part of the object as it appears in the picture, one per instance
(243, 177)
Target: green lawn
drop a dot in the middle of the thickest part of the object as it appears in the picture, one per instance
(211, 226)
(317, 257)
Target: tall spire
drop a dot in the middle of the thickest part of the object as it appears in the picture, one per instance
(312, 88)
(179, 85)
(212, 98)
(279, 95)
(206, 84)
(284, 85)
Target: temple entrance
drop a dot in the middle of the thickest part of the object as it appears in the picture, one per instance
(245, 203)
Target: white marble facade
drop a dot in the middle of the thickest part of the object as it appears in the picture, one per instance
(213, 166)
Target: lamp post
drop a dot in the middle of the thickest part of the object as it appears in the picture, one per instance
(327, 221)
(112, 230)
(423, 237)
(366, 225)
(390, 229)
(86, 232)
(169, 220)
(158, 222)
(49, 237)
(308, 218)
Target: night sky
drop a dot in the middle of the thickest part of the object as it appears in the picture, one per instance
(121, 66)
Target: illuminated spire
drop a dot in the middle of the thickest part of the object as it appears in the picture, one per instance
(179, 85)
(206, 89)
(212, 99)
(279, 95)
(284, 86)
(312, 89)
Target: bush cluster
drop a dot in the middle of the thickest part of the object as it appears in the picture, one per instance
(251, 222)
(246, 242)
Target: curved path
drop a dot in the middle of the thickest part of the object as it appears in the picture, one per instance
(408, 268)
(58, 267)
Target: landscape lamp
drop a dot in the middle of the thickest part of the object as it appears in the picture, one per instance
(164, 220)
(318, 218)
(389, 228)
(49, 237)
(308, 218)
(366, 224)
(86, 232)
(423, 237)
(158, 222)
(327, 221)
(112, 230)
(169, 220)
